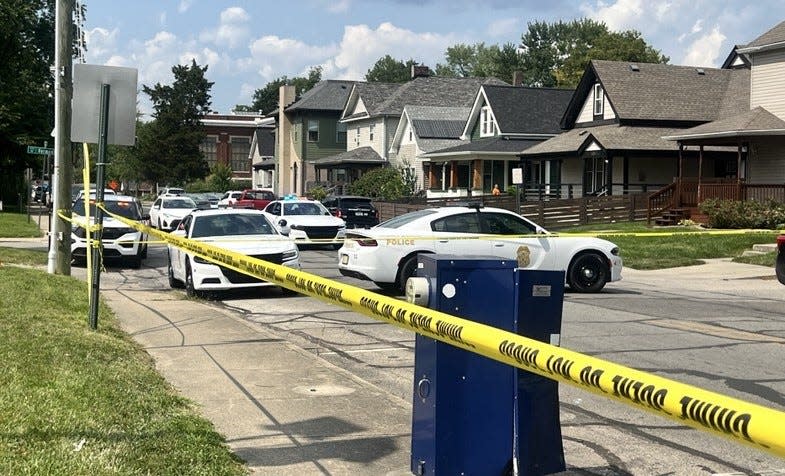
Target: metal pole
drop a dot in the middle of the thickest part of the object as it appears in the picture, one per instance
(59, 257)
(103, 124)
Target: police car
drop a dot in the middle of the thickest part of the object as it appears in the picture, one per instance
(243, 231)
(387, 253)
(307, 221)
(119, 241)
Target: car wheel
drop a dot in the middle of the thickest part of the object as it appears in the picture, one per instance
(406, 271)
(190, 290)
(386, 286)
(780, 266)
(81, 262)
(160, 225)
(288, 292)
(135, 262)
(588, 273)
(144, 251)
(174, 283)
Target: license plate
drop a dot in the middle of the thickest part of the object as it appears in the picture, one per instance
(361, 214)
(344, 259)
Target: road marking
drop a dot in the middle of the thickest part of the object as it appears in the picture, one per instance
(714, 330)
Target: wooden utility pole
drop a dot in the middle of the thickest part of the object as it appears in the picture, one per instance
(59, 258)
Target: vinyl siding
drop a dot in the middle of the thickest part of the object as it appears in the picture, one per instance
(766, 82)
(767, 162)
(365, 135)
(587, 111)
(326, 146)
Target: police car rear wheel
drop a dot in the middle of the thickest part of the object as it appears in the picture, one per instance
(408, 269)
(588, 273)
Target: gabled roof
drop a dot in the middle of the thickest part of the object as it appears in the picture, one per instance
(757, 122)
(361, 155)
(264, 139)
(774, 38)
(525, 110)
(328, 95)
(648, 92)
(387, 99)
(435, 127)
(609, 137)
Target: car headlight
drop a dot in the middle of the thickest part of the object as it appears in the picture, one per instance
(289, 255)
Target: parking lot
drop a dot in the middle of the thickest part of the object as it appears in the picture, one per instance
(718, 326)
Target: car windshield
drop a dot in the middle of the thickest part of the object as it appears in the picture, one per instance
(303, 208)
(231, 225)
(405, 219)
(178, 203)
(125, 209)
(355, 203)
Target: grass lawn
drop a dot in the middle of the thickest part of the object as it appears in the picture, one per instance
(15, 225)
(669, 247)
(77, 401)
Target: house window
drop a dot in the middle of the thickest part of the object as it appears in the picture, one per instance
(370, 132)
(241, 148)
(313, 130)
(594, 175)
(487, 127)
(599, 102)
(410, 134)
(357, 137)
(209, 150)
(340, 133)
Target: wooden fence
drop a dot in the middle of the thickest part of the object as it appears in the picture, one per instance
(550, 214)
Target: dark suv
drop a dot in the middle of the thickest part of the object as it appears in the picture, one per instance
(357, 212)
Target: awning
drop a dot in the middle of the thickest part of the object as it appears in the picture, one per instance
(360, 156)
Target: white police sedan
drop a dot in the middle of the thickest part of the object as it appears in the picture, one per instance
(307, 221)
(242, 231)
(387, 253)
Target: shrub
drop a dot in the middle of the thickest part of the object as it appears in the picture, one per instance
(385, 182)
(317, 193)
(743, 214)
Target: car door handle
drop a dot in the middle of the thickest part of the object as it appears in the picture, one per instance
(498, 245)
(444, 241)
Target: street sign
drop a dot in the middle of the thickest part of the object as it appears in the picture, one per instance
(517, 176)
(35, 150)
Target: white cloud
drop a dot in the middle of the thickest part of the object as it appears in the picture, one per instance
(100, 44)
(362, 46)
(162, 43)
(339, 6)
(184, 5)
(272, 56)
(232, 30)
(620, 15)
(697, 27)
(705, 50)
(505, 28)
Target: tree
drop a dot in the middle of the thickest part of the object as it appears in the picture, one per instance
(169, 148)
(390, 70)
(385, 182)
(556, 54)
(265, 100)
(220, 179)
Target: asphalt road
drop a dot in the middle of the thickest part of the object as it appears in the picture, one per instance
(720, 327)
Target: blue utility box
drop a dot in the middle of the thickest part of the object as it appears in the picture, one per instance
(471, 414)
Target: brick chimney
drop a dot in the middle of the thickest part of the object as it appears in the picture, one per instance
(517, 78)
(420, 71)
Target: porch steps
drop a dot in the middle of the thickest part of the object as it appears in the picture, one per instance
(675, 215)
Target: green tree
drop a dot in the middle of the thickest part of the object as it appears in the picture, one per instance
(384, 182)
(390, 70)
(479, 60)
(169, 148)
(220, 180)
(265, 100)
(556, 54)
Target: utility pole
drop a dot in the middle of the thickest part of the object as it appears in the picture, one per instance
(59, 258)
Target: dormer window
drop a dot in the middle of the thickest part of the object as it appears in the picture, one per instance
(599, 100)
(487, 126)
(370, 132)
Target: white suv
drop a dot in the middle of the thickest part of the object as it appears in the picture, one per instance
(119, 241)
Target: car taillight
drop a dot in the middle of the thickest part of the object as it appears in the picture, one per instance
(366, 242)
(338, 213)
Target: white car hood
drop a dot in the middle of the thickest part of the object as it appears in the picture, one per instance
(251, 244)
(312, 220)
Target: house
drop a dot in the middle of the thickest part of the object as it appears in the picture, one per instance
(616, 120)
(373, 111)
(263, 158)
(503, 121)
(689, 133)
(228, 141)
(307, 130)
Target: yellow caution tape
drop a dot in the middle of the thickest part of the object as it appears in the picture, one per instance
(741, 421)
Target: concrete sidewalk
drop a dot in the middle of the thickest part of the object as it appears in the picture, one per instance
(281, 409)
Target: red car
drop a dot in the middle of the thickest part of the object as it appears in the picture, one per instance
(780, 267)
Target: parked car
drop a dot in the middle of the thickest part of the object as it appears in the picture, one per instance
(254, 198)
(228, 198)
(200, 200)
(243, 231)
(306, 220)
(119, 241)
(357, 212)
(780, 266)
(166, 210)
(387, 253)
(93, 191)
(171, 192)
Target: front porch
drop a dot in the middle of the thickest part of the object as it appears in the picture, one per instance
(682, 198)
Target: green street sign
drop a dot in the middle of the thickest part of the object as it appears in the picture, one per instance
(35, 150)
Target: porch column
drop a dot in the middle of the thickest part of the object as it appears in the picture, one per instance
(700, 172)
(477, 174)
(453, 175)
(431, 176)
(681, 174)
(738, 173)
(609, 175)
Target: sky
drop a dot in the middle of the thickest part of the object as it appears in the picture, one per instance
(247, 44)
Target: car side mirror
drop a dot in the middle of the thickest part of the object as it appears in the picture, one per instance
(282, 223)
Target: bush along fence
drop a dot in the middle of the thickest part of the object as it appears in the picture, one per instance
(551, 214)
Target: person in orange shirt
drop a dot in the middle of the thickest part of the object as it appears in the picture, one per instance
(496, 190)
